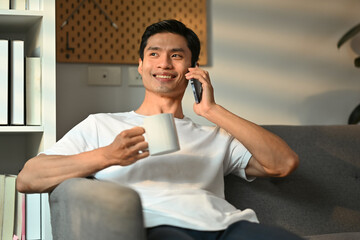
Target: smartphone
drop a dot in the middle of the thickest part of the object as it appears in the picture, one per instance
(196, 88)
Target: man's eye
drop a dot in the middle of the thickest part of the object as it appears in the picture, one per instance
(176, 56)
(153, 54)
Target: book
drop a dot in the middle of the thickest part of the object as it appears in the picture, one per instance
(33, 91)
(4, 81)
(33, 216)
(9, 207)
(23, 225)
(18, 228)
(17, 88)
(18, 4)
(2, 196)
(4, 4)
(33, 5)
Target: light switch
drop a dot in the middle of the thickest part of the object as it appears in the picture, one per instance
(104, 75)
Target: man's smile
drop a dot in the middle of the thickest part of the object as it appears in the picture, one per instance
(164, 77)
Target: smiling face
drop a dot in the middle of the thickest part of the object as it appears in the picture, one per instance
(165, 63)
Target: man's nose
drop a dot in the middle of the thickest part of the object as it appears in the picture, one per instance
(165, 62)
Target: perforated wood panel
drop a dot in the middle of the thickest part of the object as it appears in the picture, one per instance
(85, 33)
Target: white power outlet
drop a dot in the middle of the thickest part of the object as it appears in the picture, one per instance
(101, 75)
(134, 77)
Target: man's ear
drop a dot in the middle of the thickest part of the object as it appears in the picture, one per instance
(140, 66)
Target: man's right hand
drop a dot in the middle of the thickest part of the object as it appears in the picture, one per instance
(44, 172)
(128, 147)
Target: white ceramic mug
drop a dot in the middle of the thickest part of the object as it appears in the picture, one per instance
(161, 134)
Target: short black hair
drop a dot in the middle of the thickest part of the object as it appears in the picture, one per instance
(176, 27)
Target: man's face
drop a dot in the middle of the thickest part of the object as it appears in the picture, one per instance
(166, 61)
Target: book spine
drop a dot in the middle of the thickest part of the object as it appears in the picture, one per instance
(18, 215)
(23, 224)
(33, 5)
(2, 197)
(18, 4)
(33, 91)
(17, 111)
(33, 216)
(4, 82)
(9, 207)
(4, 4)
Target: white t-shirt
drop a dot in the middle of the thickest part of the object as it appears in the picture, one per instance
(184, 188)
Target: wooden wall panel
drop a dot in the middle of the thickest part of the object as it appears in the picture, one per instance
(88, 36)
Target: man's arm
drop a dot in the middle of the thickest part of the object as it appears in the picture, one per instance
(271, 156)
(44, 172)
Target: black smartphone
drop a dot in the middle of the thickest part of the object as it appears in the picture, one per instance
(196, 88)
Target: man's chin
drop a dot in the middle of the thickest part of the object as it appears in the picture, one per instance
(168, 92)
(165, 92)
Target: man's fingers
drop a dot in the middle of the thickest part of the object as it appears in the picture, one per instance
(199, 74)
(143, 154)
(130, 137)
(137, 155)
(129, 146)
(135, 140)
(139, 148)
(135, 131)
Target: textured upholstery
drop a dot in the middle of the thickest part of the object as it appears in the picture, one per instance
(336, 236)
(89, 209)
(322, 196)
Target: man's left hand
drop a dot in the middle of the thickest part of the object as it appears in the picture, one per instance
(207, 100)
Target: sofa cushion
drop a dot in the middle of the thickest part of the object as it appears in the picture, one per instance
(336, 236)
(322, 196)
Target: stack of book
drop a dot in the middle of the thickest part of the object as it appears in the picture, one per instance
(12, 209)
(20, 4)
(20, 215)
(20, 85)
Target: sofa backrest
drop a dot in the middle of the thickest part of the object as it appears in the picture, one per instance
(321, 196)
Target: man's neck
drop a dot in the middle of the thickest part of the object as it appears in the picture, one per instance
(154, 104)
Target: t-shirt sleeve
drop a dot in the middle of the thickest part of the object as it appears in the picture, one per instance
(237, 159)
(81, 138)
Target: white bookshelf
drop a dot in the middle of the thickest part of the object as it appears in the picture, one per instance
(19, 143)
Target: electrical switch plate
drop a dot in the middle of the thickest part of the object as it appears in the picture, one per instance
(104, 75)
(134, 77)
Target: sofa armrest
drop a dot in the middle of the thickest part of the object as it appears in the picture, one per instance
(90, 209)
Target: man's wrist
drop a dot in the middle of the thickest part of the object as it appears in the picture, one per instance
(101, 158)
(213, 113)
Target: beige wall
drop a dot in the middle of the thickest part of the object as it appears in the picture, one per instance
(271, 61)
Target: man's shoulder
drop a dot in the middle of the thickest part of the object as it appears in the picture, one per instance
(206, 128)
(115, 118)
(115, 115)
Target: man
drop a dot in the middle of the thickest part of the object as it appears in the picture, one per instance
(182, 193)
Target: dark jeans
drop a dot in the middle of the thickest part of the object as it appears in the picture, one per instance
(242, 230)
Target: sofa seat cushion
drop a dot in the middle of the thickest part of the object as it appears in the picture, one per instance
(336, 236)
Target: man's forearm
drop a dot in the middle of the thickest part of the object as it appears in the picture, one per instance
(44, 172)
(269, 150)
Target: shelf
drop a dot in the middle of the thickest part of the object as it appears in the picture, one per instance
(18, 20)
(14, 12)
(20, 143)
(21, 129)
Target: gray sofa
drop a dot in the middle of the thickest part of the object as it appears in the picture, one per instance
(320, 200)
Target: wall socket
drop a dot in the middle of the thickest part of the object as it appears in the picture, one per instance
(134, 77)
(104, 75)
